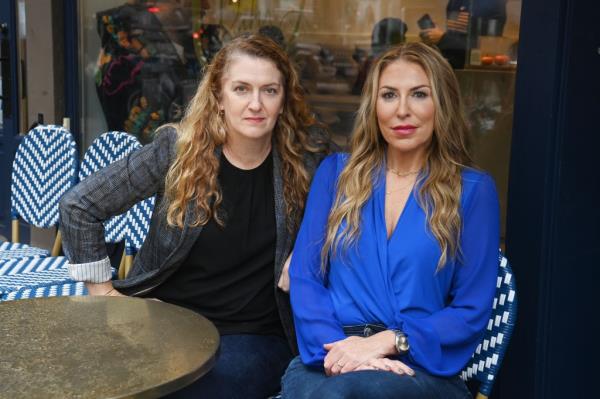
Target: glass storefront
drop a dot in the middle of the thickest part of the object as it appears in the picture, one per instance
(141, 60)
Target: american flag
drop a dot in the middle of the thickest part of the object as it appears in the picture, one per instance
(458, 21)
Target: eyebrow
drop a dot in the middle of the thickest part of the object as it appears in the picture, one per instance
(412, 88)
(248, 84)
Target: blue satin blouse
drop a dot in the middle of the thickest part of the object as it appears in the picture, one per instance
(394, 281)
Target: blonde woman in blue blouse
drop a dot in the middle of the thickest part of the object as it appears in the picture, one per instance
(395, 263)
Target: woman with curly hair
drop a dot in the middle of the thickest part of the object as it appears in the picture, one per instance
(230, 182)
(395, 263)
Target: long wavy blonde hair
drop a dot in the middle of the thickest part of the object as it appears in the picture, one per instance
(192, 178)
(440, 181)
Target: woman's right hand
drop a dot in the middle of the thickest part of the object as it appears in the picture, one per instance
(102, 289)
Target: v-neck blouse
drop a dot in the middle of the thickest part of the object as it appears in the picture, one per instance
(394, 281)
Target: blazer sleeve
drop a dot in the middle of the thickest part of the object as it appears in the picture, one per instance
(314, 315)
(443, 342)
(109, 192)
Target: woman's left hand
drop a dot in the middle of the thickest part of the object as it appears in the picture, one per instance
(385, 364)
(350, 353)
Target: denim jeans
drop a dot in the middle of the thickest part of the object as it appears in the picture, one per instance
(248, 366)
(302, 382)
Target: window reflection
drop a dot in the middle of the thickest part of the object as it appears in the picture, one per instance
(145, 58)
(147, 67)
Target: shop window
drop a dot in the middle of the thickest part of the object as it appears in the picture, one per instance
(141, 60)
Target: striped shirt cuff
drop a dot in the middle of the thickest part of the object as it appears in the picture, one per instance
(92, 272)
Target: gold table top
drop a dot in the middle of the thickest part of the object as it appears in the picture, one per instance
(101, 347)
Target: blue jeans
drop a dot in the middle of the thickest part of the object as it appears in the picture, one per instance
(302, 382)
(248, 366)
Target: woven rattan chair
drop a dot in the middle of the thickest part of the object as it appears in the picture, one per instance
(486, 361)
(44, 168)
(15, 250)
(47, 289)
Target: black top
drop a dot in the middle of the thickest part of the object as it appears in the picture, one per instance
(228, 274)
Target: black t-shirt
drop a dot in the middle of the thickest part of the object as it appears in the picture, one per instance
(228, 274)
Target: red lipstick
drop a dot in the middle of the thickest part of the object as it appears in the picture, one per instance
(404, 129)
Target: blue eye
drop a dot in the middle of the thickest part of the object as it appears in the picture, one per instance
(388, 95)
(420, 94)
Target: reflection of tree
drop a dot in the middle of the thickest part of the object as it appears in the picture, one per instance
(146, 64)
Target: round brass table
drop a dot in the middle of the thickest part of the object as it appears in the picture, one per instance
(101, 347)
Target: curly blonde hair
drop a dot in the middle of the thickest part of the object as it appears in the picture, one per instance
(193, 175)
(440, 183)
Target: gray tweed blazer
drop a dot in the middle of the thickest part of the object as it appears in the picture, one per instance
(140, 175)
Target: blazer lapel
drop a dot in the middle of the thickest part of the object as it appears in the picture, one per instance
(280, 216)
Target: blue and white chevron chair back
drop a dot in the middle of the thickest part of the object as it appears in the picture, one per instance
(138, 219)
(486, 361)
(45, 167)
(106, 149)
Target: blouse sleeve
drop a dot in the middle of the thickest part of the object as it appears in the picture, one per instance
(443, 342)
(314, 314)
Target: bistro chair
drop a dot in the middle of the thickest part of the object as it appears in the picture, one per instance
(44, 168)
(14, 282)
(14, 250)
(486, 361)
(49, 277)
(47, 289)
(106, 149)
(16, 266)
(21, 273)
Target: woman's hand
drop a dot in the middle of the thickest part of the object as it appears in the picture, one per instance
(432, 36)
(385, 364)
(284, 280)
(102, 289)
(350, 353)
